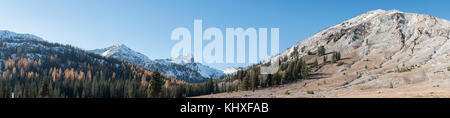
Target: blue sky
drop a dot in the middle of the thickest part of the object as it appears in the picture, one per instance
(146, 25)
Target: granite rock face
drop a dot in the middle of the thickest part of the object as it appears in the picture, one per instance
(385, 47)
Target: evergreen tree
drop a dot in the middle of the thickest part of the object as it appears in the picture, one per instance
(2, 89)
(268, 81)
(216, 88)
(321, 50)
(276, 79)
(244, 83)
(44, 91)
(333, 58)
(254, 80)
(210, 86)
(131, 92)
(338, 56)
(27, 91)
(304, 73)
(17, 90)
(296, 70)
(8, 89)
(155, 85)
(315, 64)
(289, 72)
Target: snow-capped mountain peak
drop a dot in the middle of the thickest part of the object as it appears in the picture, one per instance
(188, 61)
(122, 52)
(183, 59)
(120, 48)
(364, 18)
(230, 70)
(181, 67)
(365, 28)
(5, 34)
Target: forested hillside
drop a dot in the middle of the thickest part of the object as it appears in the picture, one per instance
(33, 68)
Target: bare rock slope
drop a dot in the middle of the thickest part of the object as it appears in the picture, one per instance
(385, 54)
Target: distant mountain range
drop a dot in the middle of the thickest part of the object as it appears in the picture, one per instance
(231, 70)
(181, 67)
(5, 34)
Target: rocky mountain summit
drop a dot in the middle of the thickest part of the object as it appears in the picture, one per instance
(181, 67)
(384, 54)
(5, 34)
